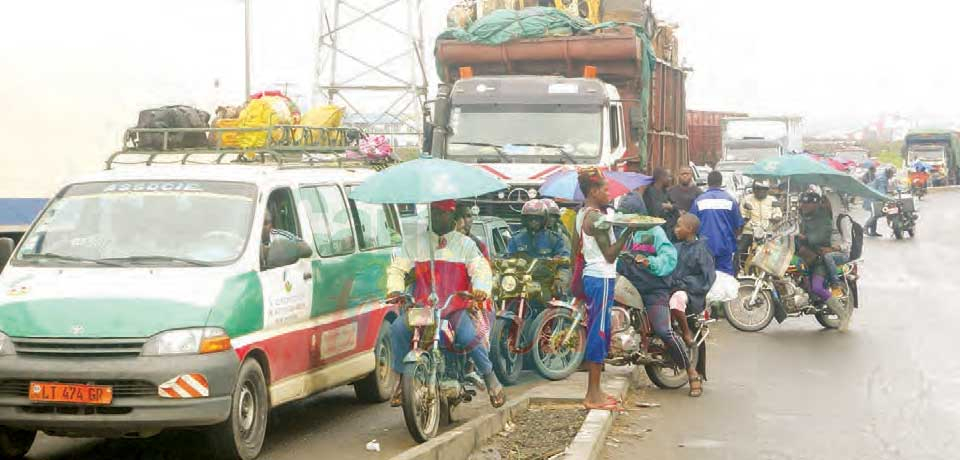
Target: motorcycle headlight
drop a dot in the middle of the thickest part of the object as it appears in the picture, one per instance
(6, 345)
(197, 340)
(508, 283)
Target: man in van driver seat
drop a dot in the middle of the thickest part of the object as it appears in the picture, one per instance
(459, 266)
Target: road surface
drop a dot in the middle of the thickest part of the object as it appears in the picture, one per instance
(887, 389)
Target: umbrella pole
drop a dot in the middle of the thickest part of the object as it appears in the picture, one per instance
(434, 298)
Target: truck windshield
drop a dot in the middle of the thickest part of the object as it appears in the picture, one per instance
(166, 223)
(927, 154)
(751, 154)
(524, 130)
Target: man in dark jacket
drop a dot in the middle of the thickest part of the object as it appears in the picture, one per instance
(694, 275)
(683, 194)
(658, 200)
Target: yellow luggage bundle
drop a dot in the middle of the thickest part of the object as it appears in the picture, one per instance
(325, 116)
(260, 113)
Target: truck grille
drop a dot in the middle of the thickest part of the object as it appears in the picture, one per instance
(78, 348)
(121, 388)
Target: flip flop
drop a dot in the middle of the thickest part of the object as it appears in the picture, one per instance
(497, 399)
(397, 399)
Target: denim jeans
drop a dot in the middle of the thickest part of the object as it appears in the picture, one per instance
(831, 261)
(465, 341)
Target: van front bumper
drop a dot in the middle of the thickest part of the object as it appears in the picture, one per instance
(137, 408)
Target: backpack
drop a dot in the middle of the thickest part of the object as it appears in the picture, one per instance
(856, 235)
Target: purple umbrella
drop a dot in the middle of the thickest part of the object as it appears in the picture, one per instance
(565, 186)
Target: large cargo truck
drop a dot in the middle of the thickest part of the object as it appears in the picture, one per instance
(940, 149)
(527, 108)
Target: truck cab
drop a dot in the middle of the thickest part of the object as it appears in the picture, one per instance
(752, 139)
(522, 129)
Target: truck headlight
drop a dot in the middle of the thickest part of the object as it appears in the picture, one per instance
(6, 345)
(188, 341)
(508, 283)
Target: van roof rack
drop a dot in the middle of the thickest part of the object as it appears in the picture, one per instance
(285, 146)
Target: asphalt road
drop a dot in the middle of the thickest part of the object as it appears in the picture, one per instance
(887, 389)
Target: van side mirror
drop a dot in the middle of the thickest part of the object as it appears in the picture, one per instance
(6, 250)
(283, 252)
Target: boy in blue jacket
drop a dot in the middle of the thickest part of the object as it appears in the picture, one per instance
(694, 275)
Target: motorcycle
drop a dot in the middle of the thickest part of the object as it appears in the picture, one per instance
(524, 289)
(918, 184)
(633, 340)
(434, 380)
(776, 291)
(901, 215)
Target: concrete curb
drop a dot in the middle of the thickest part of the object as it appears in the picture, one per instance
(461, 442)
(946, 188)
(588, 444)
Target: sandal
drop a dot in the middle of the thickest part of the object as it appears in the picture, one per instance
(397, 399)
(497, 399)
(695, 392)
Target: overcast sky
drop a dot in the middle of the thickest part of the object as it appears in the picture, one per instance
(76, 73)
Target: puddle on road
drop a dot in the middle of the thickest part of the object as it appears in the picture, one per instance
(702, 444)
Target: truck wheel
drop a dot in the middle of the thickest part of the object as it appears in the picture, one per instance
(241, 435)
(15, 443)
(378, 385)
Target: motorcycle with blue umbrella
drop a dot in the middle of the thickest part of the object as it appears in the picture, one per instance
(434, 378)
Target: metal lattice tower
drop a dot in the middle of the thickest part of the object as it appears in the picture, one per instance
(370, 61)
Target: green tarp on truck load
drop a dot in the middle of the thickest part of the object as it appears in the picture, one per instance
(502, 26)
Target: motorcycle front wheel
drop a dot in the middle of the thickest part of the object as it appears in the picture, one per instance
(672, 378)
(558, 345)
(421, 399)
(750, 318)
(506, 364)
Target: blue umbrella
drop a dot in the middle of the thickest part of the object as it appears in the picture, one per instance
(426, 180)
(565, 184)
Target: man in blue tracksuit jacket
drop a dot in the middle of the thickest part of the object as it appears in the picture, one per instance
(720, 222)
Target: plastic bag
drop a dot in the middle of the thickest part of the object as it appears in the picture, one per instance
(325, 116)
(724, 289)
(260, 113)
(775, 255)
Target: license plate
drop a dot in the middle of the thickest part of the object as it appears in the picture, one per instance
(893, 211)
(70, 393)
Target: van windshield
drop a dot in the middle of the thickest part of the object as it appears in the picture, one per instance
(156, 223)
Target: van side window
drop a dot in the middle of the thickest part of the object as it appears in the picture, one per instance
(329, 219)
(377, 225)
(614, 127)
(501, 240)
(283, 212)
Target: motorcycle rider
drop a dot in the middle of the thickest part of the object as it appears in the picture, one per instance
(553, 221)
(760, 211)
(882, 185)
(465, 215)
(814, 241)
(459, 266)
(535, 240)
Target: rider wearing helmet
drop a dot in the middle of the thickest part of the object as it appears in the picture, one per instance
(553, 221)
(535, 240)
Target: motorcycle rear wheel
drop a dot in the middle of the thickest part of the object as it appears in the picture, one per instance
(554, 360)
(669, 378)
(750, 318)
(421, 404)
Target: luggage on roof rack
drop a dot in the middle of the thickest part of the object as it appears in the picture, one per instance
(294, 146)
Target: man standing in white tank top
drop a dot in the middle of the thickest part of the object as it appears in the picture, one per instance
(600, 250)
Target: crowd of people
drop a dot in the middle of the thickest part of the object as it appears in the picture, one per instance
(673, 266)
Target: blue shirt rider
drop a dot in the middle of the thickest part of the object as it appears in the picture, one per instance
(535, 240)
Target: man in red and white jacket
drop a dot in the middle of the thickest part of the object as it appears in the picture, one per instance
(459, 266)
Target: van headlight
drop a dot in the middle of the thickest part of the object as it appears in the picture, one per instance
(188, 341)
(6, 345)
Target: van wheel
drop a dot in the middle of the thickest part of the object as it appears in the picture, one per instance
(378, 385)
(15, 443)
(241, 435)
